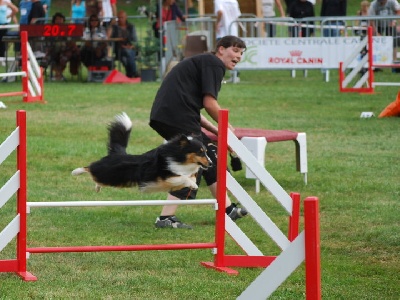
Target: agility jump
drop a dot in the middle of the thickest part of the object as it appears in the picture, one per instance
(365, 66)
(295, 247)
(32, 74)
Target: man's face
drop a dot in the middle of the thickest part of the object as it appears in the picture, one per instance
(230, 56)
(122, 18)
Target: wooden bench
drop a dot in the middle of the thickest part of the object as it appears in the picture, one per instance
(256, 141)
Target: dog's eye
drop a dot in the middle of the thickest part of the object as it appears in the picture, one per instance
(201, 152)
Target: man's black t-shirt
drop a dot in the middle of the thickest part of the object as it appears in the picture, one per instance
(180, 97)
(37, 12)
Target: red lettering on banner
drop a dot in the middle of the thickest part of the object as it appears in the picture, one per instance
(309, 61)
(280, 60)
(298, 60)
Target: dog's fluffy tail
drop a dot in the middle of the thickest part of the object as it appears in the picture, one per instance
(119, 131)
(79, 171)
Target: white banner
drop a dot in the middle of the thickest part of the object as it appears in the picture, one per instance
(309, 53)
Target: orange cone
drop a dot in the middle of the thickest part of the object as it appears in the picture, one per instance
(117, 77)
(392, 110)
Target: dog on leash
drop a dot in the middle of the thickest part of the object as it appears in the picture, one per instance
(169, 167)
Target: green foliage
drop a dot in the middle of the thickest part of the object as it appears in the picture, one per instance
(149, 46)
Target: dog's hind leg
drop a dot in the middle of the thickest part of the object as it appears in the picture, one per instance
(97, 188)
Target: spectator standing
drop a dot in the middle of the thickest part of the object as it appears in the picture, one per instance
(364, 7)
(302, 9)
(268, 8)
(114, 7)
(11, 17)
(109, 11)
(333, 8)
(192, 11)
(227, 12)
(385, 27)
(61, 52)
(125, 50)
(94, 7)
(25, 7)
(169, 12)
(7, 11)
(37, 14)
(288, 4)
(94, 51)
(46, 6)
(78, 11)
(190, 86)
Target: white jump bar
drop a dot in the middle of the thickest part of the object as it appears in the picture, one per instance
(120, 203)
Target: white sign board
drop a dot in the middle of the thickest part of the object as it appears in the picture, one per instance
(309, 53)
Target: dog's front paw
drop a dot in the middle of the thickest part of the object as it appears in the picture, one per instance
(193, 185)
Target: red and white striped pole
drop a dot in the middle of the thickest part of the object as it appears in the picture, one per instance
(22, 198)
(294, 219)
(312, 249)
(221, 187)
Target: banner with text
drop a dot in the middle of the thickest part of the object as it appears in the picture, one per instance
(309, 53)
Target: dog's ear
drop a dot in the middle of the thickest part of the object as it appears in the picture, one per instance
(184, 140)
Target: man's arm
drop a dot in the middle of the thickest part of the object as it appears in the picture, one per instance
(212, 108)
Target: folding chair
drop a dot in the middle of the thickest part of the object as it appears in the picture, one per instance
(195, 44)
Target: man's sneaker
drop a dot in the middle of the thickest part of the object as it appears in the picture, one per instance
(171, 222)
(237, 212)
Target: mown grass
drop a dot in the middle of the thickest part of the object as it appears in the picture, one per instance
(353, 170)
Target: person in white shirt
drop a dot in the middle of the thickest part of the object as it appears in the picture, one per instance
(107, 13)
(227, 12)
(7, 13)
(268, 9)
(385, 27)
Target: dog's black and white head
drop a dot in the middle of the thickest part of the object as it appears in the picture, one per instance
(186, 154)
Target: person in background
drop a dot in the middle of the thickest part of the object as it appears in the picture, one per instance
(61, 52)
(94, 7)
(385, 27)
(109, 12)
(227, 12)
(288, 3)
(298, 10)
(126, 50)
(7, 12)
(114, 7)
(94, 52)
(364, 7)
(24, 9)
(190, 86)
(37, 14)
(333, 8)
(78, 11)
(192, 11)
(12, 16)
(268, 8)
(169, 12)
(46, 6)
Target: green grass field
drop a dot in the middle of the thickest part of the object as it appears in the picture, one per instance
(353, 170)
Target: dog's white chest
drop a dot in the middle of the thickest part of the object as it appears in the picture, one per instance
(183, 169)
